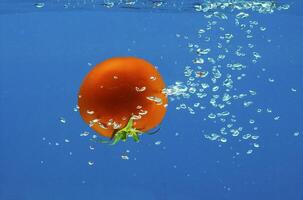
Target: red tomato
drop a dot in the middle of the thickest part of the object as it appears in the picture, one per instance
(120, 89)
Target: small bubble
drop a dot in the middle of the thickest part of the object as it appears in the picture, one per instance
(201, 31)
(224, 140)
(256, 145)
(296, 134)
(198, 61)
(90, 163)
(157, 100)
(76, 108)
(90, 112)
(254, 137)
(124, 157)
(84, 134)
(247, 103)
(136, 117)
(152, 78)
(143, 112)
(62, 120)
(271, 80)
(39, 5)
(196, 105)
(252, 92)
(203, 51)
(263, 28)
(246, 136)
(157, 143)
(212, 136)
(249, 151)
(277, 118)
(212, 116)
(67, 140)
(293, 90)
(138, 89)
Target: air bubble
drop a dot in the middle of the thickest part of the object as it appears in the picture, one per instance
(124, 157)
(293, 90)
(242, 15)
(138, 89)
(90, 112)
(249, 151)
(296, 134)
(157, 100)
(90, 163)
(39, 5)
(84, 134)
(62, 120)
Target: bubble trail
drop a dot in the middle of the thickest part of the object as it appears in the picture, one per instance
(213, 79)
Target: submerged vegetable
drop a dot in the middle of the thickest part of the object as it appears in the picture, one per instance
(122, 97)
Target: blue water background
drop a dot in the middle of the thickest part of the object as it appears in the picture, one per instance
(43, 59)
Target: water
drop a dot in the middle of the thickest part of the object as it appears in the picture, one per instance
(233, 73)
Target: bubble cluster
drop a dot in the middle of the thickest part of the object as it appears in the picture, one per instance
(177, 6)
(212, 85)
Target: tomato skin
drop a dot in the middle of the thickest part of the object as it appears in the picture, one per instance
(120, 88)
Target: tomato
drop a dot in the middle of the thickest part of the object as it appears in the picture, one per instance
(122, 94)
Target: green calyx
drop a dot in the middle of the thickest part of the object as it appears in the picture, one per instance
(127, 131)
(123, 134)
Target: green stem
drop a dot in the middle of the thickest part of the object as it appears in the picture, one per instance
(122, 134)
(127, 131)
